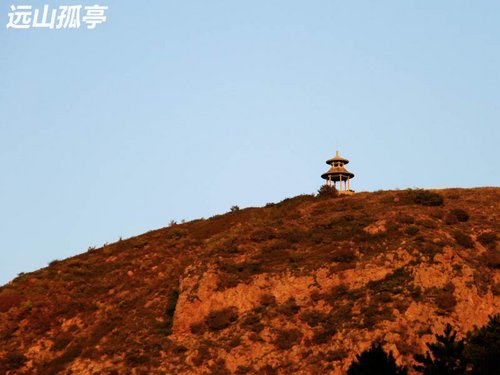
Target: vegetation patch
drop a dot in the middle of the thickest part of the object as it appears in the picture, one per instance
(463, 239)
(231, 274)
(444, 298)
(326, 191)
(412, 230)
(405, 219)
(220, 319)
(267, 300)
(343, 228)
(9, 298)
(61, 342)
(344, 255)
(314, 318)
(289, 308)
(492, 258)
(287, 338)
(424, 197)
(456, 215)
(393, 282)
(253, 323)
(13, 361)
(488, 239)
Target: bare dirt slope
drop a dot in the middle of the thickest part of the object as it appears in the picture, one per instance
(295, 287)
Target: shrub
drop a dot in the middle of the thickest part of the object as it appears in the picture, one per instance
(220, 319)
(58, 364)
(287, 338)
(234, 208)
(9, 298)
(425, 197)
(492, 258)
(203, 355)
(176, 233)
(267, 300)
(15, 360)
(405, 219)
(336, 294)
(219, 368)
(336, 355)
(450, 219)
(61, 342)
(242, 370)
(427, 223)
(289, 308)
(445, 298)
(268, 370)
(393, 282)
(326, 191)
(411, 230)
(197, 328)
(263, 234)
(340, 315)
(430, 249)
(134, 358)
(456, 215)
(234, 273)
(495, 289)
(375, 361)
(375, 313)
(487, 238)
(313, 317)
(253, 323)
(322, 336)
(463, 239)
(344, 255)
(460, 214)
(180, 349)
(342, 228)
(329, 327)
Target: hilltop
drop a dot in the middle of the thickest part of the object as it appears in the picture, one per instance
(299, 286)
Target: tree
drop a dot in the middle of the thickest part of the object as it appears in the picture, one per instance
(483, 347)
(447, 356)
(375, 361)
(326, 191)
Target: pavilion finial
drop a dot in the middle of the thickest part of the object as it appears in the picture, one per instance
(337, 153)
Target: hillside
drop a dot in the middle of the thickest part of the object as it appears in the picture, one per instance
(300, 286)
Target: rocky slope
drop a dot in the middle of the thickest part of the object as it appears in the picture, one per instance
(295, 287)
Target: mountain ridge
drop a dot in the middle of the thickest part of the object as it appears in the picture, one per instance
(299, 286)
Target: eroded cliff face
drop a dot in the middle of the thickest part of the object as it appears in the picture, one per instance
(296, 287)
(404, 330)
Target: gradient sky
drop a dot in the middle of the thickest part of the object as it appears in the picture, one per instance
(180, 109)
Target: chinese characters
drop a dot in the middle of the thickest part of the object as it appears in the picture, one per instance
(62, 17)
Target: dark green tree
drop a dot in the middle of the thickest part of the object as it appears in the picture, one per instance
(375, 361)
(482, 348)
(447, 356)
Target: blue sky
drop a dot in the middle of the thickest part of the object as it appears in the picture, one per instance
(180, 109)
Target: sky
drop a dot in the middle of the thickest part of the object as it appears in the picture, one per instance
(175, 110)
